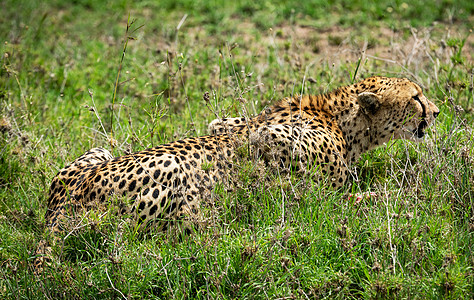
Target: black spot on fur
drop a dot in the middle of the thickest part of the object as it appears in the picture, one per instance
(153, 209)
(122, 184)
(132, 186)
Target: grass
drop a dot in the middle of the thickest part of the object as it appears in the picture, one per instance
(65, 87)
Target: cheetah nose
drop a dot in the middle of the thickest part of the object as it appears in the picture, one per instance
(435, 114)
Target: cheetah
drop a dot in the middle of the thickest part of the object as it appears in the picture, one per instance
(166, 184)
(333, 130)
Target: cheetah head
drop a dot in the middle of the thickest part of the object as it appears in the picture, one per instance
(396, 107)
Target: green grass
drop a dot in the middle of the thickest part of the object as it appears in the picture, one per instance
(281, 236)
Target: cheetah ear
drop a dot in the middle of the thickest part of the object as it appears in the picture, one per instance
(369, 102)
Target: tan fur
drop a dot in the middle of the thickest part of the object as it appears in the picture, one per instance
(167, 183)
(336, 128)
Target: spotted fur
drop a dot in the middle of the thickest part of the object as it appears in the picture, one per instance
(334, 129)
(167, 184)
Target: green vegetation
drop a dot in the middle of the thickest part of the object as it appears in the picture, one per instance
(130, 75)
